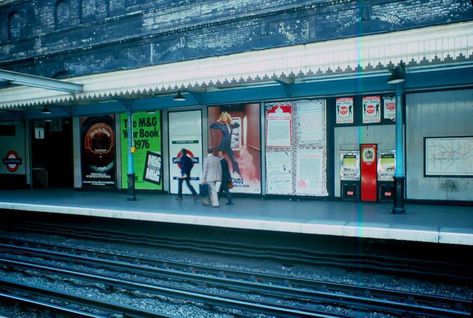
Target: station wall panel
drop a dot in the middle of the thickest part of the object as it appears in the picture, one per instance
(12, 148)
(437, 115)
(350, 138)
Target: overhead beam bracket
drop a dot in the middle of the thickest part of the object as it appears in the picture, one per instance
(40, 82)
(286, 83)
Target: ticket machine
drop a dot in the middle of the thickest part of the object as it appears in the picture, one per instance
(368, 170)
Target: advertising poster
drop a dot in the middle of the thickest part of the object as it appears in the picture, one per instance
(311, 122)
(98, 151)
(279, 172)
(185, 131)
(153, 168)
(278, 119)
(147, 142)
(390, 108)
(310, 178)
(386, 165)
(349, 165)
(371, 109)
(296, 162)
(236, 130)
(344, 107)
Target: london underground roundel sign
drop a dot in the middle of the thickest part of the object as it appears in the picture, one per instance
(12, 161)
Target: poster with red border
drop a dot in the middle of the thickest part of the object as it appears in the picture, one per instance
(389, 108)
(371, 109)
(344, 107)
(278, 124)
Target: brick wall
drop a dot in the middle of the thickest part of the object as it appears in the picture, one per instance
(78, 37)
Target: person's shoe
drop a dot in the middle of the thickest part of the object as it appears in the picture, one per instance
(179, 198)
(230, 203)
(196, 197)
(215, 206)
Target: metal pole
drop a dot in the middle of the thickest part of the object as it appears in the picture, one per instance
(131, 166)
(399, 175)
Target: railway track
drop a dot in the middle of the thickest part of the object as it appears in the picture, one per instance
(307, 296)
(134, 287)
(67, 305)
(385, 264)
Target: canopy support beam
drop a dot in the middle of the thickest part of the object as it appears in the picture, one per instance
(40, 82)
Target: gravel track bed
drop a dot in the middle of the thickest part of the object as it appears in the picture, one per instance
(222, 292)
(180, 308)
(322, 273)
(152, 302)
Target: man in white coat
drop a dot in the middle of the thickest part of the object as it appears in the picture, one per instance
(212, 175)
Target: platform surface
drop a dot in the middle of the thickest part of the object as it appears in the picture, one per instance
(444, 224)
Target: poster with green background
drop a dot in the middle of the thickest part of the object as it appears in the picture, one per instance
(147, 141)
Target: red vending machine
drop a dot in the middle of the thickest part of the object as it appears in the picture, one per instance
(369, 172)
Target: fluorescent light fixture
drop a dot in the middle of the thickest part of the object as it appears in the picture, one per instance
(45, 111)
(397, 75)
(179, 97)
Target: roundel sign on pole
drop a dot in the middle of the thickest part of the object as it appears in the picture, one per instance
(12, 161)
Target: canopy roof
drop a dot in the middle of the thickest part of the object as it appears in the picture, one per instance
(447, 45)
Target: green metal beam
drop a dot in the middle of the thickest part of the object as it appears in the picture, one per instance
(41, 82)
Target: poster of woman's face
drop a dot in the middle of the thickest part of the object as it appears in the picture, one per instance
(235, 129)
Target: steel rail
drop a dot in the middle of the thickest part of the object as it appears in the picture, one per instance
(109, 308)
(353, 296)
(245, 306)
(384, 264)
(47, 306)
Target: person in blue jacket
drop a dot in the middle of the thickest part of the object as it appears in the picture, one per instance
(225, 125)
(186, 164)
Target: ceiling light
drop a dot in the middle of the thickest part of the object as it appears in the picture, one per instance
(46, 111)
(179, 97)
(397, 75)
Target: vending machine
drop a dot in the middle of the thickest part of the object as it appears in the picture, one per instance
(369, 172)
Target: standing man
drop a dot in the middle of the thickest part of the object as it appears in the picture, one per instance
(186, 164)
(211, 175)
(226, 177)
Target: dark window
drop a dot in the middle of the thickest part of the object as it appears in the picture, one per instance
(117, 5)
(88, 8)
(14, 26)
(7, 130)
(63, 14)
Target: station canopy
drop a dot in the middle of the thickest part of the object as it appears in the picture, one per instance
(420, 50)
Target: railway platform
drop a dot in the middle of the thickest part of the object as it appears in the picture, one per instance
(443, 224)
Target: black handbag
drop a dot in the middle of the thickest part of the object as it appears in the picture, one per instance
(204, 189)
